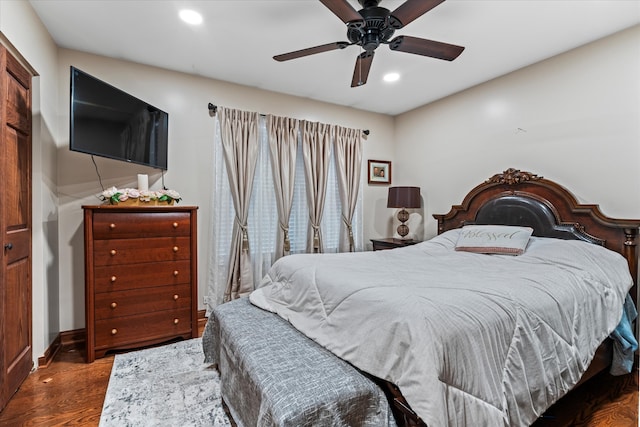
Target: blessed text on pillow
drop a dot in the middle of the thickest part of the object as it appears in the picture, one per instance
(494, 239)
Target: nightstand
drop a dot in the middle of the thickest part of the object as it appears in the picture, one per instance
(391, 243)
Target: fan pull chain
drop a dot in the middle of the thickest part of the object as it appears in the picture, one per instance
(360, 67)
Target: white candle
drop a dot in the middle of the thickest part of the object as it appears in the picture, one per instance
(143, 182)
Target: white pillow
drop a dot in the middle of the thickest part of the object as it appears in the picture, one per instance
(494, 239)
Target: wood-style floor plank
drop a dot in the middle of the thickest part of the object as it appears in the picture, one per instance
(603, 401)
(71, 393)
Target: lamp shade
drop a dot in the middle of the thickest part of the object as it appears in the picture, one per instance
(404, 197)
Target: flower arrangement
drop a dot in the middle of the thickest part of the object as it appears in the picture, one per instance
(114, 196)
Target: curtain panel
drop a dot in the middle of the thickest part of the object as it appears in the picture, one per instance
(348, 154)
(316, 150)
(283, 148)
(239, 132)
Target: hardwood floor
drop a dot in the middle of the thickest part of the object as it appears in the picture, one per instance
(71, 393)
(591, 406)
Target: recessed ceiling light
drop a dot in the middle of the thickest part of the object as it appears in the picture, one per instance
(391, 77)
(191, 17)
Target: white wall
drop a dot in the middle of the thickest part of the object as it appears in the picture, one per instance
(574, 119)
(185, 98)
(24, 34)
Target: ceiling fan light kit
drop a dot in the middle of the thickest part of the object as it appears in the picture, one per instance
(374, 25)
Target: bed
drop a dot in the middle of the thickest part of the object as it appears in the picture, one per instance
(465, 369)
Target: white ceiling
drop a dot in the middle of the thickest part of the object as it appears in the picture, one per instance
(238, 38)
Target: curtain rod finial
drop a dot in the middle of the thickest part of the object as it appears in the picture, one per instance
(366, 131)
(212, 108)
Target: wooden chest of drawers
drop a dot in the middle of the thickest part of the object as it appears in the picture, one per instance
(140, 276)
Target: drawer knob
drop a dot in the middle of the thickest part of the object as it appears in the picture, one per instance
(175, 272)
(114, 304)
(112, 226)
(113, 279)
(175, 321)
(114, 331)
(175, 225)
(175, 249)
(175, 297)
(113, 252)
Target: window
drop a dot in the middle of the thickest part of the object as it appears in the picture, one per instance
(263, 218)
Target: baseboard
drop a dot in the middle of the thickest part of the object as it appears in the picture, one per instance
(45, 360)
(63, 339)
(77, 337)
(74, 337)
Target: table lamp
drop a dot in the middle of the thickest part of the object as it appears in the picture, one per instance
(403, 197)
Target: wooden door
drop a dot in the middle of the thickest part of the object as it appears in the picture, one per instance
(16, 358)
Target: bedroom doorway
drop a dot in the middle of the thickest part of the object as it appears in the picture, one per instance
(16, 358)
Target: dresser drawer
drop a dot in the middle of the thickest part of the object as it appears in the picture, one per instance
(145, 275)
(123, 331)
(109, 305)
(112, 225)
(130, 251)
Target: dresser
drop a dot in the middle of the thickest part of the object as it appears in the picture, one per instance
(140, 276)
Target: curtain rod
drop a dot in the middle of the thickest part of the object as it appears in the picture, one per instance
(214, 108)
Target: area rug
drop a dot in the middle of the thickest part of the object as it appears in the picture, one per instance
(164, 386)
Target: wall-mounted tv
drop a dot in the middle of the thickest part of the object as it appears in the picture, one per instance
(107, 122)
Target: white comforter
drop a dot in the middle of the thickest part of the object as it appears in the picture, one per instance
(470, 339)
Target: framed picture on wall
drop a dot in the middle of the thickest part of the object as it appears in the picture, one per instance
(379, 172)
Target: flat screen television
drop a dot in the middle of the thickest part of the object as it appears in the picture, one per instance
(108, 122)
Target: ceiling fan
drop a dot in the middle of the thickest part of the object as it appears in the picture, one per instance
(374, 25)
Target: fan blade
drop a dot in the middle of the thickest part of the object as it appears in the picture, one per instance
(424, 47)
(409, 11)
(361, 71)
(343, 10)
(311, 51)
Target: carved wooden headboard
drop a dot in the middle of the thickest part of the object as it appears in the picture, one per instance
(516, 197)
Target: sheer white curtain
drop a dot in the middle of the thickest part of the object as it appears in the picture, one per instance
(263, 215)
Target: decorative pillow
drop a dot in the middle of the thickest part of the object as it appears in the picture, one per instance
(494, 239)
